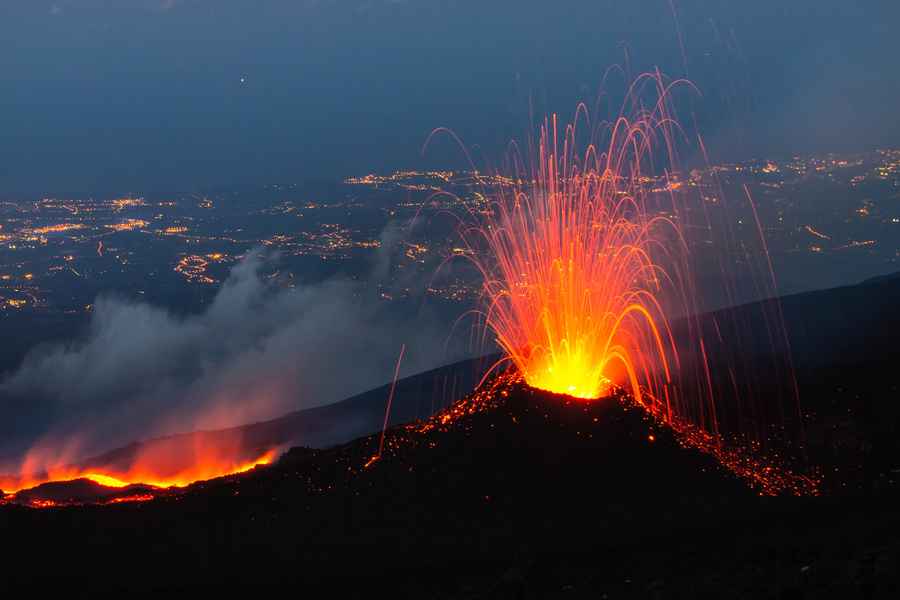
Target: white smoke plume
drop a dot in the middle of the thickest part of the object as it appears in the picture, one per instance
(258, 351)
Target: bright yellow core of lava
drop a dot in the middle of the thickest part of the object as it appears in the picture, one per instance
(574, 374)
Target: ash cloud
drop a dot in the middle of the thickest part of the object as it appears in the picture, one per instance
(257, 352)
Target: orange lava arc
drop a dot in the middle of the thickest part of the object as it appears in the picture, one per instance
(577, 268)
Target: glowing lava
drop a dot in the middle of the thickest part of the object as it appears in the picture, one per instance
(147, 470)
(570, 257)
(586, 262)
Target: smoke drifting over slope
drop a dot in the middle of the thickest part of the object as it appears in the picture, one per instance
(259, 350)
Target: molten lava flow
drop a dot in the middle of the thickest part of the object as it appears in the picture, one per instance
(152, 468)
(571, 259)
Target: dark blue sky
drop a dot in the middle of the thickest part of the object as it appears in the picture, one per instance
(116, 95)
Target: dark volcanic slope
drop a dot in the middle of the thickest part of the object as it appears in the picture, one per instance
(528, 491)
(844, 343)
(843, 340)
(535, 497)
(465, 489)
(417, 396)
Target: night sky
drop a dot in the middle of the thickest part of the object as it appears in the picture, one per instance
(142, 95)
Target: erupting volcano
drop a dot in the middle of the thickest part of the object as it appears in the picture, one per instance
(589, 281)
(581, 267)
(585, 265)
(574, 284)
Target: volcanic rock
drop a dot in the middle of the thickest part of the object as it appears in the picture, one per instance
(510, 492)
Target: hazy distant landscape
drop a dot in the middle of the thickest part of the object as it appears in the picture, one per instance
(829, 220)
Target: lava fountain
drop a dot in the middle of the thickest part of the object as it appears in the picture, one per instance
(588, 246)
(580, 267)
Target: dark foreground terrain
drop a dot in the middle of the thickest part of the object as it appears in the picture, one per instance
(520, 494)
(516, 493)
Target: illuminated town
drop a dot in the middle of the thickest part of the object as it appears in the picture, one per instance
(829, 220)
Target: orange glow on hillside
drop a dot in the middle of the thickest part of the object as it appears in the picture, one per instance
(153, 468)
